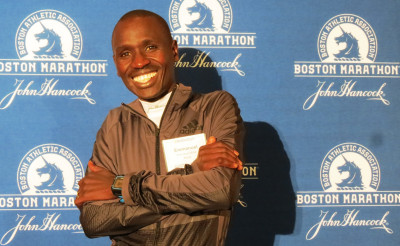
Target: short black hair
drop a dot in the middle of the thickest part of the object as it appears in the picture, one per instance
(146, 13)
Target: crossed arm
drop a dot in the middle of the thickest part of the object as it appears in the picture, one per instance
(151, 196)
(147, 209)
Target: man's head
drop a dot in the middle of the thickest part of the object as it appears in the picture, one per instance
(144, 54)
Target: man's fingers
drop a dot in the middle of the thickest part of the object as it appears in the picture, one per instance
(218, 154)
(93, 168)
(217, 147)
(211, 140)
(78, 200)
(222, 159)
(206, 156)
(236, 165)
(240, 166)
(212, 153)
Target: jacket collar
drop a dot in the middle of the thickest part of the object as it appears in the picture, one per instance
(179, 97)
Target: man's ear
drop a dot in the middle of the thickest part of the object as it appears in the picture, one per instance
(175, 50)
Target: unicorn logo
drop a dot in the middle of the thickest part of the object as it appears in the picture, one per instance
(55, 182)
(353, 41)
(53, 47)
(353, 179)
(42, 175)
(361, 173)
(205, 20)
(54, 35)
(351, 51)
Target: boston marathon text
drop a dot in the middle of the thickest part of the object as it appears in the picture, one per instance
(16, 202)
(220, 40)
(314, 69)
(311, 199)
(9, 67)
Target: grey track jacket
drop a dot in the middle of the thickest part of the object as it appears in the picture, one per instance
(183, 207)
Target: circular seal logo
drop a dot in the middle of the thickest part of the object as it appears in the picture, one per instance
(49, 169)
(350, 167)
(210, 16)
(48, 35)
(347, 38)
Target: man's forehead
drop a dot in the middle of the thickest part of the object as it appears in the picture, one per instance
(152, 24)
(140, 21)
(149, 23)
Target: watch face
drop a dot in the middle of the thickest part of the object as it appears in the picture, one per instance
(116, 187)
(118, 183)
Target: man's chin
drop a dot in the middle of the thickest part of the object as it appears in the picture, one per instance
(151, 97)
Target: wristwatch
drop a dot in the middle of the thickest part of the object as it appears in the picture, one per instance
(116, 187)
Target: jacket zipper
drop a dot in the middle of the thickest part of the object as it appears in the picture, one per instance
(158, 168)
(158, 171)
(157, 130)
(158, 164)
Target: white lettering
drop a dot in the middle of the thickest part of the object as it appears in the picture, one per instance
(49, 223)
(350, 219)
(47, 89)
(202, 60)
(347, 89)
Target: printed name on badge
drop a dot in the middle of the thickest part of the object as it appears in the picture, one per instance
(183, 150)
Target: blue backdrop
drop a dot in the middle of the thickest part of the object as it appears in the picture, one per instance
(318, 87)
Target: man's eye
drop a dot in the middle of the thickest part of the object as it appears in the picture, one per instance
(150, 47)
(125, 53)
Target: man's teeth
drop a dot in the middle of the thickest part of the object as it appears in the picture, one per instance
(145, 77)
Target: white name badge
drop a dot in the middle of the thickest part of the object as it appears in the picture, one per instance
(183, 150)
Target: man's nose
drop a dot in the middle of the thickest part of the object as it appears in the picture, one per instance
(140, 60)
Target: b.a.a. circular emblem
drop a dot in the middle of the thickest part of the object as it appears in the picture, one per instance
(49, 169)
(211, 16)
(48, 35)
(347, 38)
(350, 167)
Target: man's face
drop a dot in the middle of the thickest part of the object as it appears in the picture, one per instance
(144, 56)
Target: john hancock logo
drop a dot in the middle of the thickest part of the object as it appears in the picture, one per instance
(347, 47)
(350, 176)
(48, 43)
(47, 179)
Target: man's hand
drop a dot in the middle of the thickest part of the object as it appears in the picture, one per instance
(217, 154)
(95, 186)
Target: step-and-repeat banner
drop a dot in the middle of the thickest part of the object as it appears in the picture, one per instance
(318, 87)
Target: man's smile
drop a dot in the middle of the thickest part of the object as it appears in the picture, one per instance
(144, 78)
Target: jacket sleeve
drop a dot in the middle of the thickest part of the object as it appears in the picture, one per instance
(108, 218)
(211, 190)
(114, 218)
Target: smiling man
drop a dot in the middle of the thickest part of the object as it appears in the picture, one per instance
(130, 192)
(144, 54)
